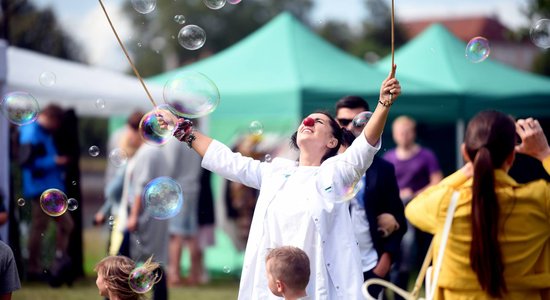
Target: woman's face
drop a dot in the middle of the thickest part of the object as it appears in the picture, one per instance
(317, 135)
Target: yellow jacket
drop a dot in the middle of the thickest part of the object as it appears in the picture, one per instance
(524, 238)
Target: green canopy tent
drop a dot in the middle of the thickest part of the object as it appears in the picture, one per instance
(464, 88)
(280, 73)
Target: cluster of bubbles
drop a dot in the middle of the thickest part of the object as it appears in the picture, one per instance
(93, 151)
(256, 128)
(54, 202)
(20, 108)
(142, 280)
(191, 37)
(47, 79)
(338, 181)
(540, 33)
(180, 19)
(118, 157)
(100, 103)
(163, 198)
(144, 6)
(478, 49)
(157, 126)
(193, 95)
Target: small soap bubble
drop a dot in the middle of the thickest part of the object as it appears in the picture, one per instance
(180, 19)
(540, 33)
(144, 6)
(142, 280)
(118, 157)
(139, 44)
(256, 128)
(53, 202)
(93, 151)
(74, 182)
(100, 103)
(21, 202)
(478, 49)
(20, 108)
(72, 204)
(268, 158)
(191, 37)
(157, 126)
(47, 79)
(111, 221)
(226, 269)
(163, 198)
(214, 4)
(338, 181)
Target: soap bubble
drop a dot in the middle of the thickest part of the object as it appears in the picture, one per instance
(151, 127)
(142, 280)
(191, 37)
(338, 181)
(163, 198)
(256, 128)
(226, 269)
(47, 79)
(214, 4)
(72, 204)
(53, 202)
(144, 6)
(193, 95)
(361, 119)
(478, 49)
(20, 108)
(74, 182)
(118, 157)
(180, 19)
(94, 151)
(21, 202)
(100, 103)
(268, 158)
(540, 33)
(234, 1)
(139, 44)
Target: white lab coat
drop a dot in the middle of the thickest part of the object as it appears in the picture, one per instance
(340, 251)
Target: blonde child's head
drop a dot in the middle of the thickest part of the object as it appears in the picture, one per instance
(287, 271)
(113, 274)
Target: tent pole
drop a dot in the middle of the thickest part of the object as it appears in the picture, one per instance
(4, 140)
(459, 139)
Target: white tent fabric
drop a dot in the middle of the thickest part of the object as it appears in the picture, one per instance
(77, 85)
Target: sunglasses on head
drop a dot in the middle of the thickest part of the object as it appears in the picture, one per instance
(344, 122)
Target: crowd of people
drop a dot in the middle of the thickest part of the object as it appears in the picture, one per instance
(301, 244)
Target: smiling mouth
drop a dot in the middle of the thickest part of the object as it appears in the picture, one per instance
(307, 129)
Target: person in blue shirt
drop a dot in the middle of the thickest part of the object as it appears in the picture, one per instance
(42, 169)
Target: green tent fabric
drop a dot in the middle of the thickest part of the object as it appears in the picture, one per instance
(437, 57)
(277, 75)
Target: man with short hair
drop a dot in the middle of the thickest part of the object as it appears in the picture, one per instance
(377, 212)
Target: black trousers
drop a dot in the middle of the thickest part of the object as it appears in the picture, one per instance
(374, 290)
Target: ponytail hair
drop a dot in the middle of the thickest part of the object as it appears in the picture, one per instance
(489, 140)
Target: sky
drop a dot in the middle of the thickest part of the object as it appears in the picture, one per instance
(101, 49)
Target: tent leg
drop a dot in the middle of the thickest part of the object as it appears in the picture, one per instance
(459, 140)
(4, 140)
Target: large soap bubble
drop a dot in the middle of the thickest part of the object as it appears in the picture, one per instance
(157, 126)
(20, 108)
(193, 95)
(191, 37)
(54, 202)
(338, 181)
(163, 198)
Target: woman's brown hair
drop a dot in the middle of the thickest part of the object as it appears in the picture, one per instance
(489, 140)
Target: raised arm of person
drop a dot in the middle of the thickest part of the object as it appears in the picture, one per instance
(533, 141)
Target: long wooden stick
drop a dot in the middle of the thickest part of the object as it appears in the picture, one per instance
(128, 56)
(392, 36)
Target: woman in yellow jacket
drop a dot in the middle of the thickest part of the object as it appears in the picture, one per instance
(499, 243)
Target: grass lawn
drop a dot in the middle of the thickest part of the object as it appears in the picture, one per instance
(86, 290)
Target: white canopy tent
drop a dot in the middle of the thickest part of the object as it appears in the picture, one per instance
(77, 85)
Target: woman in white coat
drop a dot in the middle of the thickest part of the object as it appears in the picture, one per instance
(290, 210)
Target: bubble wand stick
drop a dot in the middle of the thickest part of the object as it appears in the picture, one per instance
(128, 56)
(392, 17)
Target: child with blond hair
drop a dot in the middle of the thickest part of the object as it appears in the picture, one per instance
(288, 272)
(118, 278)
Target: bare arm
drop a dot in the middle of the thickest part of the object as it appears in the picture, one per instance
(389, 91)
(201, 143)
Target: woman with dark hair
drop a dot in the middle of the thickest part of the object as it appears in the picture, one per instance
(290, 211)
(499, 243)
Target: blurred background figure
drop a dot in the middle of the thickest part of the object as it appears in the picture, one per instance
(9, 277)
(416, 168)
(42, 169)
(3, 213)
(206, 234)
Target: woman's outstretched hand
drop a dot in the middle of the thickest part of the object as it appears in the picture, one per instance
(533, 140)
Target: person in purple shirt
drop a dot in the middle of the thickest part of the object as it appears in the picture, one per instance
(416, 168)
